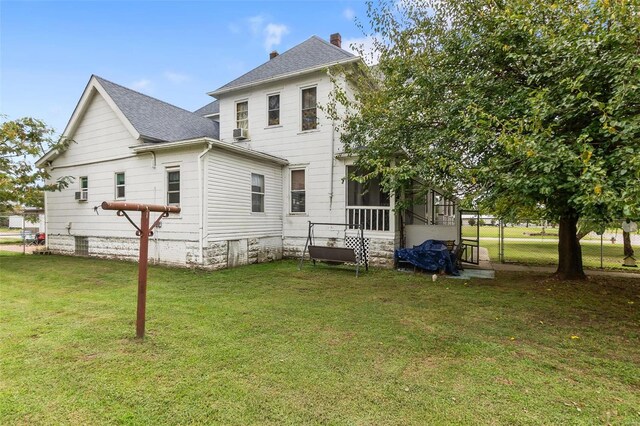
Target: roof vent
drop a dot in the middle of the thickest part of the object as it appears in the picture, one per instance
(336, 40)
(273, 54)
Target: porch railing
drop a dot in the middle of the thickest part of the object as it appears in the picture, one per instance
(376, 218)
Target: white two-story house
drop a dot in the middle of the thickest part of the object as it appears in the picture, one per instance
(249, 171)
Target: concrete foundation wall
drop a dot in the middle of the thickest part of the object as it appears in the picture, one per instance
(217, 254)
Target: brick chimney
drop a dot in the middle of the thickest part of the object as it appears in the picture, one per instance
(273, 54)
(336, 40)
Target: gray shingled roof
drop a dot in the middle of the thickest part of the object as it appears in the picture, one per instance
(209, 109)
(309, 54)
(158, 120)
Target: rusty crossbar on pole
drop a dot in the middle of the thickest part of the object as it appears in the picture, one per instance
(137, 207)
(144, 231)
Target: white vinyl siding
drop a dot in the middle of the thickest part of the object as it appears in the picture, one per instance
(229, 194)
(145, 184)
(103, 147)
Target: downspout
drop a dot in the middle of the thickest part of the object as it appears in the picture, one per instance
(201, 197)
(333, 144)
(46, 222)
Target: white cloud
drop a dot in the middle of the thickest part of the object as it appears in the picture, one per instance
(273, 35)
(349, 14)
(363, 46)
(256, 22)
(175, 77)
(142, 85)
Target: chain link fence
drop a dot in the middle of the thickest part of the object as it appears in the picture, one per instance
(19, 232)
(532, 242)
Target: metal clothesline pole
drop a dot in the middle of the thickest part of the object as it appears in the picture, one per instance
(144, 231)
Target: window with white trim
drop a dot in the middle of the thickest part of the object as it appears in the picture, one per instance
(298, 193)
(173, 187)
(119, 190)
(257, 193)
(309, 109)
(242, 115)
(84, 187)
(273, 109)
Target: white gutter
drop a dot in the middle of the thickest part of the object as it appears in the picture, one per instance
(215, 93)
(86, 163)
(215, 144)
(158, 146)
(201, 196)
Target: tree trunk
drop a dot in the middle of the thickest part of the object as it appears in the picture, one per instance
(628, 249)
(569, 251)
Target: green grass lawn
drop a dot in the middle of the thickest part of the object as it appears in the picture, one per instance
(269, 344)
(10, 241)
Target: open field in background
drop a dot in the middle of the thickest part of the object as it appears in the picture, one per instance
(532, 232)
(509, 232)
(270, 344)
(543, 250)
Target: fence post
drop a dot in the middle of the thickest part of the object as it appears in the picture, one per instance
(501, 241)
(601, 249)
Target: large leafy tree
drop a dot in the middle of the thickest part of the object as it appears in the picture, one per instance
(22, 141)
(521, 105)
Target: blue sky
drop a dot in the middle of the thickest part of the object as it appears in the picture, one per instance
(175, 51)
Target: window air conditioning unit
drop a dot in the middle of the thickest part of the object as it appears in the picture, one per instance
(82, 195)
(239, 134)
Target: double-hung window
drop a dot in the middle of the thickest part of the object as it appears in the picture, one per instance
(242, 115)
(120, 190)
(298, 193)
(173, 187)
(257, 193)
(273, 109)
(309, 109)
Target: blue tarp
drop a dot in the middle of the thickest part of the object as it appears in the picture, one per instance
(432, 255)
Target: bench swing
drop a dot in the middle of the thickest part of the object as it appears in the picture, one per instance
(335, 255)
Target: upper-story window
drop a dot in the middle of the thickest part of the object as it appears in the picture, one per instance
(309, 110)
(242, 115)
(173, 186)
(273, 106)
(119, 193)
